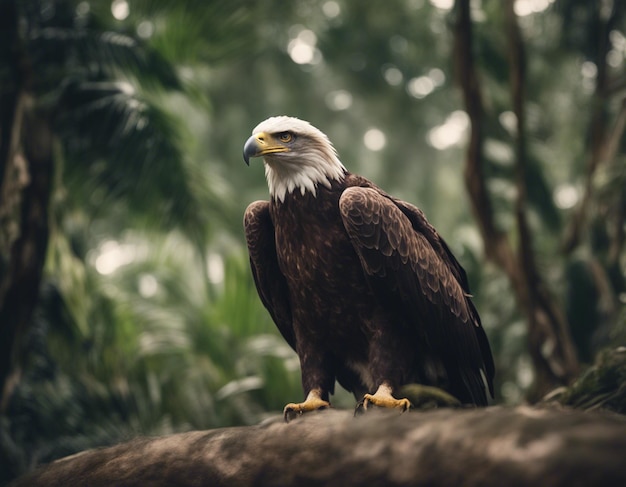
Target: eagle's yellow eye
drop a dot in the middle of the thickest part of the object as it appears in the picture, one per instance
(285, 137)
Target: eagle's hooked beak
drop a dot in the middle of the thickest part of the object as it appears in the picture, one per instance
(261, 144)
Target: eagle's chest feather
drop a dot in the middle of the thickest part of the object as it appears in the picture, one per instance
(323, 274)
(312, 245)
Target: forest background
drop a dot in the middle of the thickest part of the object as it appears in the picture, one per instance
(126, 302)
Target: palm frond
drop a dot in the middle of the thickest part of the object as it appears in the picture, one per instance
(122, 146)
(62, 52)
(195, 30)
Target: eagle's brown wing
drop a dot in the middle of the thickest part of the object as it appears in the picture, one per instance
(413, 271)
(270, 282)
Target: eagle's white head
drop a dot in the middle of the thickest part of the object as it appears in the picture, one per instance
(297, 156)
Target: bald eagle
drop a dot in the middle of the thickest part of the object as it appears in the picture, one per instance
(358, 282)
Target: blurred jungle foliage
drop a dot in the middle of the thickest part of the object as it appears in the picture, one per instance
(126, 303)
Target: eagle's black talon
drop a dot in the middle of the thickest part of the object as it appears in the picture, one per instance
(359, 409)
(313, 402)
(289, 414)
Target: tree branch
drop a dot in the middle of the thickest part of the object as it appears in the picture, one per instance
(496, 245)
(598, 128)
(617, 214)
(551, 347)
(479, 447)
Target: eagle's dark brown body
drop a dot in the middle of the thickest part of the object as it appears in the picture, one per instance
(366, 292)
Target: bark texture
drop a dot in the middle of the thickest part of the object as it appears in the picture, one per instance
(480, 447)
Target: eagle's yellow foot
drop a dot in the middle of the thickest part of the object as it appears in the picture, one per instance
(382, 398)
(313, 402)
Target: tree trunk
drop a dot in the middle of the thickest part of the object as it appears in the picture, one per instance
(26, 166)
(550, 344)
(480, 447)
